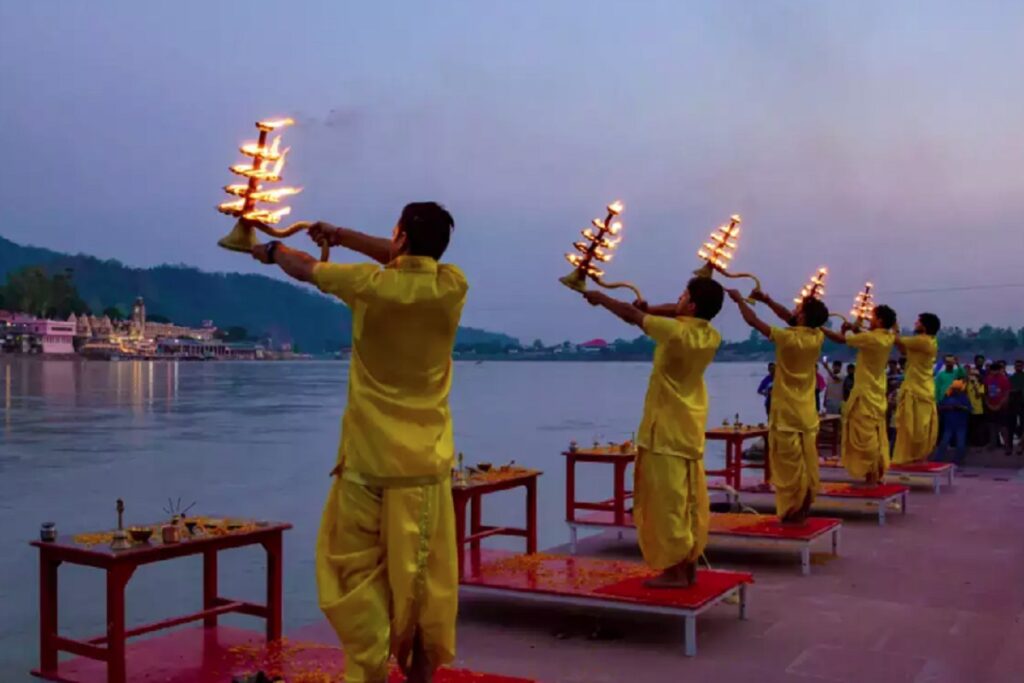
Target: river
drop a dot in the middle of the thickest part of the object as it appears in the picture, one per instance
(258, 439)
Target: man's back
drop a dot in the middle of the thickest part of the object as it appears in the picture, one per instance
(676, 406)
(796, 378)
(404, 319)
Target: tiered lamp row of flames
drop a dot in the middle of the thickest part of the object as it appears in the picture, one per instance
(266, 168)
(863, 305)
(721, 246)
(815, 288)
(596, 249)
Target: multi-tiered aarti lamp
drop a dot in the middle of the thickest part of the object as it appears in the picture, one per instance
(863, 305)
(596, 247)
(718, 251)
(815, 287)
(266, 168)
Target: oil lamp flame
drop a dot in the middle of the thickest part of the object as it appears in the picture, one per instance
(274, 124)
(815, 287)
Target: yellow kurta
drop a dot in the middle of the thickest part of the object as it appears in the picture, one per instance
(386, 558)
(865, 443)
(793, 420)
(671, 509)
(917, 419)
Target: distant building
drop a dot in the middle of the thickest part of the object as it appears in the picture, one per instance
(20, 333)
(592, 346)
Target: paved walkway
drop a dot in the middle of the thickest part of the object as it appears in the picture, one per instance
(935, 597)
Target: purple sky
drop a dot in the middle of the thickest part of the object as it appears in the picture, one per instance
(885, 140)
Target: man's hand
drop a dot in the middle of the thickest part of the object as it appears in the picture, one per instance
(640, 304)
(325, 234)
(594, 297)
(758, 295)
(735, 295)
(846, 327)
(261, 252)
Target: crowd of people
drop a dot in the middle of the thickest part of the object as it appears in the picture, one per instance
(980, 404)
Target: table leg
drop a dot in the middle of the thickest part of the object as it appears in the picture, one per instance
(460, 531)
(690, 635)
(620, 493)
(275, 574)
(210, 585)
(476, 514)
(531, 516)
(805, 560)
(47, 612)
(117, 578)
(570, 488)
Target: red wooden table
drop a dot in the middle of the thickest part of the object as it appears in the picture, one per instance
(734, 436)
(471, 492)
(829, 432)
(609, 455)
(121, 564)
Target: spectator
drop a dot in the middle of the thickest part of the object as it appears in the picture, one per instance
(946, 376)
(981, 366)
(1017, 403)
(765, 388)
(893, 380)
(977, 429)
(834, 390)
(955, 408)
(848, 381)
(819, 389)
(997, 403)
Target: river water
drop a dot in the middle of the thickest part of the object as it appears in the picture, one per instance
(258, 439)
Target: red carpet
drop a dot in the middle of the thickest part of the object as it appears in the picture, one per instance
(587, 577)
(199, 655)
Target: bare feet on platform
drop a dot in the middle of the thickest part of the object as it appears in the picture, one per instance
(682, 575)
(421, 670)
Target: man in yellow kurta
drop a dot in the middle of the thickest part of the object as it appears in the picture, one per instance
(793, 419)
(865, 440)
(917, 418)
(386, 559)
(671, 508)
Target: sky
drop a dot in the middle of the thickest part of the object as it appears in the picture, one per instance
(883, 140)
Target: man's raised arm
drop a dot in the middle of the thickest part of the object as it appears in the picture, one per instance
(748, 314)
(297, 264)
(377, 248)
(627, 312)
(785, 315)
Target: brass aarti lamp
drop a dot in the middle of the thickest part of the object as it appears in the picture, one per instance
(863, 307)
(718, 251)
(265, 169)
(597, 248)
(815, 287)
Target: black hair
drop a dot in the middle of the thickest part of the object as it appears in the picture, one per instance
(981, 356)
(886, 316)
(815, 312)
(930, 322)
(707, 296)
(428, 228)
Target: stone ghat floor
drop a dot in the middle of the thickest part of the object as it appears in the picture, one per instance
(934, 597)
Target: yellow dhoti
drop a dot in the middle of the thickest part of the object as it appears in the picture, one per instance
(386, 567)
(671, 508)
(793, 457)
(917, 429)
(865, 447)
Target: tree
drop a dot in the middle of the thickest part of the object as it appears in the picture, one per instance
(157, 318)
(537, 345)
(114, 313)
(32, 290)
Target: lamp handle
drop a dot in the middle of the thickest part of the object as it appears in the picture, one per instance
(757, 282)
(619, 285)
(296, 227)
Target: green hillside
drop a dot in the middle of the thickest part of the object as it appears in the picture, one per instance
(188, 296)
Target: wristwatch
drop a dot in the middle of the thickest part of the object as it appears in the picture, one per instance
(272, 250)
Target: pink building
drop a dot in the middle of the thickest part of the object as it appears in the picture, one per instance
(55, 336)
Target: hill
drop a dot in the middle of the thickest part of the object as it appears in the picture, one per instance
(188, 296)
